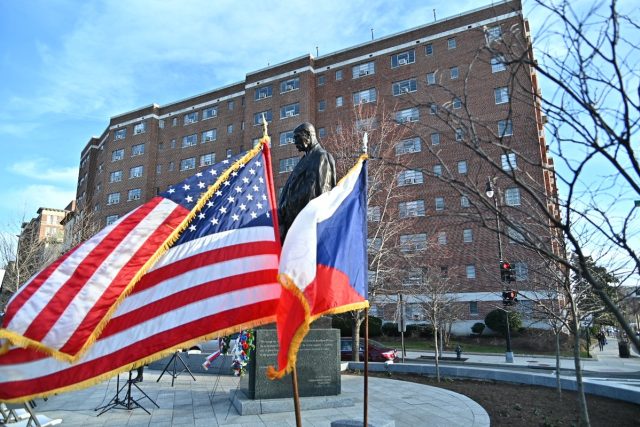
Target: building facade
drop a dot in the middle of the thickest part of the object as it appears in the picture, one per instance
(447, 83)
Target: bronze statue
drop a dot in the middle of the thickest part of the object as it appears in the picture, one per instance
(314, 174)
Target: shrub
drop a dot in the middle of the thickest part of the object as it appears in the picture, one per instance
(390, 329)
(344, 322)
(478, 328)
(497, 320)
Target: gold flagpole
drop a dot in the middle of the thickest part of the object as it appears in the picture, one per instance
(365, 142)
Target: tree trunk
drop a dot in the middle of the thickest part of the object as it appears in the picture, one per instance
(437, 352)
(558, 383)
(583, 419)
(355, 333)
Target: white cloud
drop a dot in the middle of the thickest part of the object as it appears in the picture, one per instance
(38, 169)
(21, 203)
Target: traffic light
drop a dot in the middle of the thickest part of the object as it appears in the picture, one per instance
(509, 297)
(507, 274)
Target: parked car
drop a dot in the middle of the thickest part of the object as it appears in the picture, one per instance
(377, 352)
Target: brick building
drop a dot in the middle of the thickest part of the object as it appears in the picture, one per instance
(435, 79)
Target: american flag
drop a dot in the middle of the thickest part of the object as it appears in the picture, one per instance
(218, 277)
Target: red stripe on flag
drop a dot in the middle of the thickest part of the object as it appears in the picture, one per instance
(330, 289)
(122, 279)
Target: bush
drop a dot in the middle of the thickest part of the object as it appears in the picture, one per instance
(478, 328)
(390, 329)
(344, 322)
(497, 320)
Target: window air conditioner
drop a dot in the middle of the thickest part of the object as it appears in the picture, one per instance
(289, 114)
(363, 73)
(262, 95)
(405, 90)
(402, 62)
(289, 140)
(289, 87)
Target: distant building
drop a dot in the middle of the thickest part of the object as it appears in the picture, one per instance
(141, 152)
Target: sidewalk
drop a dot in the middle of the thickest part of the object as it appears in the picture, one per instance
(206, 402)
(607, 360)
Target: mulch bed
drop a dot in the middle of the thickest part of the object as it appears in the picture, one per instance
(524, 405)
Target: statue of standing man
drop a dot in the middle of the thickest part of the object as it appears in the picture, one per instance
(314, 174)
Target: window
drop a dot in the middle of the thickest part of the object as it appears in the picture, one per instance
(408, 115)
(493, 33)
(411, 145)
(403, 58)
(189, 140)
(174, 122)
(255, 142)
(137, 150)
(462, 167)
(229, 153)
(428, 49)
(522, 271)
(170, 166)
(366, 124)
(459, 135)
(414, 276)
(439, 203)
(404, 86)
(339, 75)
(322, 132)
(501, 94)
(364, 96)
(287, 165)
(467, 235)
(290, 110)
(289, 85)
(442, 238)
(158, 169)
(473, 307)
(207, 159)
(257, 117)
(161, 123)
(363, 69)
(451, 43)
(471, 271)
(190, 117)
(339, 101)
(431, 78)
(498, 64)
(136, 172)
(286, 137)
(374, 244)
(120, 134)
(433, 108)
(186, 164)
(437, 170)
(322, 105)
(411, 209)
(229, 129)
(435, 138)
(209, 135)
(464, 202)
(173, 143)
(321, 80)
(512, 196)
(140, 128)
(413, 242)
(514, 235)
(263, 92)
(457, 104)
(410, 177)
(134, 194)
(509, 162)
(111, 219)
(505, 128)
(113, 198)
(453, 73)
(209, 113)
(115, 176)
(230, 105)
(373, 213)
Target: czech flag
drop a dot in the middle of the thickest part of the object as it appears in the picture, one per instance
(323, 266)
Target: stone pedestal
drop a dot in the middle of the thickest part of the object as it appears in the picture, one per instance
(318, 366)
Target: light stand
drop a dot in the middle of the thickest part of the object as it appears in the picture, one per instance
(508, 356)
(128, 402)
(174, 372)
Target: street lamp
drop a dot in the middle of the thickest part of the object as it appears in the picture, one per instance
(489, 191)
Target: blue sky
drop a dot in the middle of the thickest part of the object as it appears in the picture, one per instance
(67, 66)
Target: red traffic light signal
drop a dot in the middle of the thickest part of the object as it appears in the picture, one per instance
(509, 297)
(507, 273)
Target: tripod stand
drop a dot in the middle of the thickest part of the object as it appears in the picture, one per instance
(127, 402)
(174, 373)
